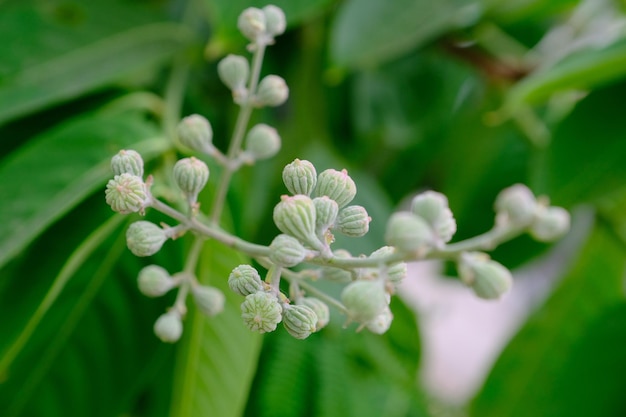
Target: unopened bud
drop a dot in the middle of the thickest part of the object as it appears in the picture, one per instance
(353, 221)
(433, 207)
(550, 224)
(191, 175)
(251, 23)
(286, 251)
(126, 193)
(169, 327)
(319, 307)
(515, 205)
(262, 142)
(489, 279)
(154, 281)
(396, 271)
(245, 280)
(195, 132)
(209, 300)
(381, 323)
(144, 238)
(272, 91)
(300, 177)
(295, 216)
(234, 71)
(127, 161)
(261, 312)
(326, 211)
(365, 300)
(275, 21)
(408, 232)
(299, 320)
(336, 185)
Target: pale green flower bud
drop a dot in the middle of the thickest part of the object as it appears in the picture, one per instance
(275, 21)
(336, 185)
(191, 175)
(408, 232)
(209, 300)
(262, 142)
(353, 221)
(365, 300)
(154, 281)
(299, 320)
(245, 280)
(489, 279)
(295, 216)
(337, 274)
(381, 323)
(550, 224)
(326, 211)
(300, 177)
(127, 161)
(515, 205)
(195, 132)
(144, 238)
(234, 71)
(261, 312)
(286, 251)
(169, 327)
(126, 193)
(251, 23)
(272, 91)
(319, 307)
(433, 207)
(397, 271)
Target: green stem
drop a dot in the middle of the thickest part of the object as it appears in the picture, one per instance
(188, 275)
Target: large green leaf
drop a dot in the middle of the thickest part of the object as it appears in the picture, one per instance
(55, 171)
(218, 356)
(534, 374)
(67, 49)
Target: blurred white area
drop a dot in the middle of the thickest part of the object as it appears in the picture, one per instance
(463, 335)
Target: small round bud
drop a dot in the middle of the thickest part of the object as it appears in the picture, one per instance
(195, 132)
(234, 71)
(397, 271)
(365, 300)
(251, 23)
(245, 280)
(191, 175)
(209, 300)
(326, 211)
(262, 142)
(408, 232)
(319, 307)
(286, 251)
(169, 327)
(272, 91)
(515, 205)
(295, 216)
(337, 274)
(275, 21)
(433, 207)
(300, 177)
(127, 161)
(550, 224)
(126, 193)
(336, 185)
(299, 320)
(154, 281)
(353, 221)
(381, 323)
(144, 238)
(489, 279)
(261, 312)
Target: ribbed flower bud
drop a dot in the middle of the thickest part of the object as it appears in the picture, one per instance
(251, 23)
(336, 185)
(295, 216)
(169, 327)
(272, 91)
(299, 320)
(154, 281)
(337, 274)
(408, 232)
(191, 175)
(326, 211)
(319, 307)
(127, 161)
(550, 224)
(433, 207)
(262, 142)
(126, 193)
(488, 278)
(275, 21)
(195, 132)
(234, 71)
(300, 177)
(381, 323)
(353, 221)
(397, 271)
(261, 312)
(365, 300)
(209, 300)
(515, 205)
(144, 238)
(245, 280)
(286, 251)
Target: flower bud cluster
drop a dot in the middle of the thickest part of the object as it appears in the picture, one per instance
(260, 26)
(127, 193)
(489, 279)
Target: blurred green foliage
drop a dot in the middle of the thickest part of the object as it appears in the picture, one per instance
(465, 97)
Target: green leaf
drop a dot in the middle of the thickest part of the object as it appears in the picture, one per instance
(369, 32)
(528, 377)
(55, 171)
(67, 50)
(218, 356)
